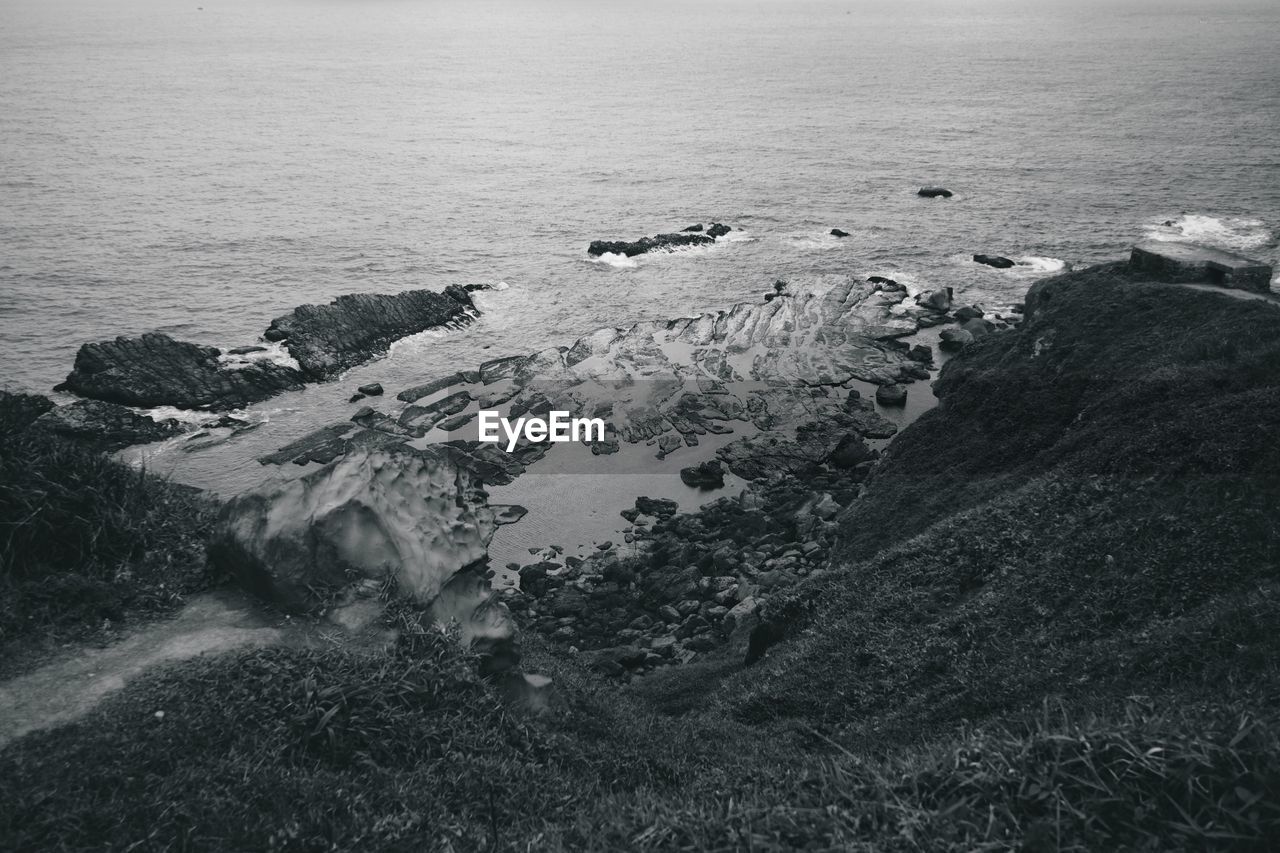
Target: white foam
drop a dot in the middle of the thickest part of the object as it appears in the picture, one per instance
(1227, 232)
(273, 352)
(736, 237)
(501, 285)
(815, 242)
(615, 260)
(1040, 265)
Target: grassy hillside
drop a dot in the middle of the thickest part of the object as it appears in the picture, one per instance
(1051, 627)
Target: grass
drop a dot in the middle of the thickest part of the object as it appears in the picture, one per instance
(85, 540)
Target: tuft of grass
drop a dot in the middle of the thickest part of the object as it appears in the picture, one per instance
(85, 539)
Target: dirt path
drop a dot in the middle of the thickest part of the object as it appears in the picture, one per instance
(65, 689)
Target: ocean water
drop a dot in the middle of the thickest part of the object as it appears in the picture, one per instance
(200, 167)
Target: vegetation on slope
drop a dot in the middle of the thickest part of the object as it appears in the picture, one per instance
(84, 539)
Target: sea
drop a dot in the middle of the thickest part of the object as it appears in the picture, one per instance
(198, 167)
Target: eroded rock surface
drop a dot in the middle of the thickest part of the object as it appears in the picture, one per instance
(104, 426)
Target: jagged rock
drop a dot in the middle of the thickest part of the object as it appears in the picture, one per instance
(328, 443)
(997, 261)
(648, 244)
(717, 229)
(836, 232)
(934, 192)
(155, 370)
(953, 339)
(657, 507)
(376, 516)
(707, 475)
(104, 426)
(891, 395)
(328, 339)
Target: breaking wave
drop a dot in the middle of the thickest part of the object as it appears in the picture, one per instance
(1225, 232)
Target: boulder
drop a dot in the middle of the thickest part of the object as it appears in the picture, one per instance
(373, 389)
(954, 339)
(718, 230)
(658, 507)
(891, 395)
(997, 261)
(329, 339)
(939, 300)
(969, 312)
(708, 475)
(156, 370)
(976, 327)
(922, 353)
(836, 232)
(934, 192)
(697, 227)
(647, 244)
(104, 426)
(851, 451)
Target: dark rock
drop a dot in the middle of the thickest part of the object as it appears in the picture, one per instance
(836, 232)
(885, 283)
(658, 507)
(954, 339)
(718, 230)
(373, 389)
(697, 227)
(708, 475)
(934, 192)
(155, 370)
(104, 426)
(977, 327)
(646, 244)
(921, 352)
(891, 395)
(246, 350)
(969, 312)
(997, 261)
(850, 452)
(352, 329)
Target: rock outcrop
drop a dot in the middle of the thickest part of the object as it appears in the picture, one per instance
(648, 244)
(328, 339)
(376, 519)
(155, 370)
(104, 426)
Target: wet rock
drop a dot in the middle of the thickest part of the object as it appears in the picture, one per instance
(977, 327)
(155, 370)
(246, 350)
(707, 475)
(998, 261)
(891, 395)
(373, 389)
(954, 339)
(969, 312)
(934, 192)
(104, 426)
(718, 230)
(328, 339)
(939, 300)
(836, 232)
(647, 244)
(697, 227)
(886, 284)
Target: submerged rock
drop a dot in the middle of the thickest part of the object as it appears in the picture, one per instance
(934, 192)
(718, 229)
(998, 261)
(155, 370)
(104, 426)
(836, 232)
(328, 339)
(647, 244)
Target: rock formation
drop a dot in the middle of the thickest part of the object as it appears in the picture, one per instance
(934, 192)
(647, 244)
(104, 426)
(155, 370)
(997, 261)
